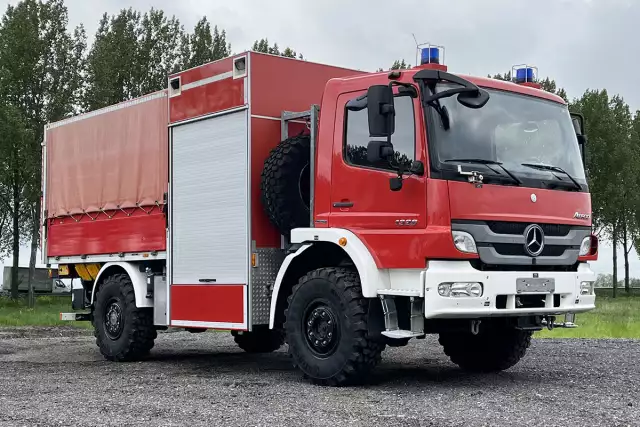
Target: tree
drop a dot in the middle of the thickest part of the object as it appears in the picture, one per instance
(159, 50)
(132, 55)
(40, 75)
(400, 65)
(14, 143)
(262, 45)
(397, 65)
(612, 159)
(205, 46)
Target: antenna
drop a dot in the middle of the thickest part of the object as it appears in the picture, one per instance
(415, 39)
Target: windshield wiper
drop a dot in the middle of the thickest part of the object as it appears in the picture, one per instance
(550, 168)
(487, 163)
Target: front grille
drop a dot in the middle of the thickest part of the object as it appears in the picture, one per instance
(501, 243)
(500, 227)
(518, 250)
(481, 266)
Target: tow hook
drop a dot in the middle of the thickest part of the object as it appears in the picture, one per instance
(569, 319)
(475, 327)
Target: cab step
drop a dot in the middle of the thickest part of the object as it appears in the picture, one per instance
(79, 317)
(392, 329)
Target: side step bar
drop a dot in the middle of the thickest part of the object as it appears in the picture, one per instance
(80, 317)
(392, 330)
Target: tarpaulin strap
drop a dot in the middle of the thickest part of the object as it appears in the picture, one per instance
(105, 212)
(92, 218)
(127, 213)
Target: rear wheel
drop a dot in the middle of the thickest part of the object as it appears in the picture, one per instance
(123, 331)
(260, 340)
(326, 328)
(493, 349)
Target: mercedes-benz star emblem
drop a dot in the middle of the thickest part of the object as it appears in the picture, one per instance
(533, 240)
(534, 198)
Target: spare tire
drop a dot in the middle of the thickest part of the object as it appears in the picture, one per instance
(285, 186)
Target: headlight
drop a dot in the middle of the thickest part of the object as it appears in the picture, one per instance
(464, 242)
(460, 290)
(585, 246)
(586, 288)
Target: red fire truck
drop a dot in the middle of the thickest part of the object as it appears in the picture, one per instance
(335, 210)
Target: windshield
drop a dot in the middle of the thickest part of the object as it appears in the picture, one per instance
(512, 129)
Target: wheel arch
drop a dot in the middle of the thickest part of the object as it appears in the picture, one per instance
(319, 248)
(138, 279)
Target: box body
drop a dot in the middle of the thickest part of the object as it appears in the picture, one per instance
(176, 175)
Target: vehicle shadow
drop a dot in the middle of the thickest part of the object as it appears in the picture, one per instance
(429, 373)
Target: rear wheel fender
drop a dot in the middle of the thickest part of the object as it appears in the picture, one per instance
(138, 280)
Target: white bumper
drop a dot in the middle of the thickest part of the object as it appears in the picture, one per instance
(499, 292)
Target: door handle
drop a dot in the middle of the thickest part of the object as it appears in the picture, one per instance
(342, 204)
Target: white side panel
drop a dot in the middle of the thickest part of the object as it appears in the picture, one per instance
(210, 201)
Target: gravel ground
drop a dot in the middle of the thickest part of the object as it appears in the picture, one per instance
(55, 376)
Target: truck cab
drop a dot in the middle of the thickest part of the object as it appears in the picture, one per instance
(485, 190)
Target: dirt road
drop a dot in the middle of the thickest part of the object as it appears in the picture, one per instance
(54, 377)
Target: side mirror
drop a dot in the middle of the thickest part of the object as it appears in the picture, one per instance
(582, 142)
(379, 150)
(578, 123)
(474, 100)
(382, 114)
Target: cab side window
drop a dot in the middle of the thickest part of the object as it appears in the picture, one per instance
(403, 139)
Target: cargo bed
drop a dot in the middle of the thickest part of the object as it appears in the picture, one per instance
(105, 183)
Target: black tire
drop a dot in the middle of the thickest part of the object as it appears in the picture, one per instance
(123, 331)
(260, 340)
(334, 349)
(285, 184)
(494, 349)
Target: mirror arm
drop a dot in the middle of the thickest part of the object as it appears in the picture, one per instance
(450, 92)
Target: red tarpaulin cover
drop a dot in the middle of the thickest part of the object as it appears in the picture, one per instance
(108, 159)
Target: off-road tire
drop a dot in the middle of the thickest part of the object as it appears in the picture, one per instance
(260, 340)
(138, 332)
(284, 186)
(354, 354)
(494, 349)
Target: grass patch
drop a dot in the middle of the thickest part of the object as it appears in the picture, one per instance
(612, 318)
(46, 313)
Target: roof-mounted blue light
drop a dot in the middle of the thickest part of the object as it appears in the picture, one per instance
(525, 73)
(430, 55)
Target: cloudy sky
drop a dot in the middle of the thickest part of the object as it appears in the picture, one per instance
(580, 43)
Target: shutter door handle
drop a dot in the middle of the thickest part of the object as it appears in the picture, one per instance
(343, 204)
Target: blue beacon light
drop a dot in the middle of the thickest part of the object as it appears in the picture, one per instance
(430, 55)
(525, 75)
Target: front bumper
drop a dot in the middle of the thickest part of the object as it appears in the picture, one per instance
(499, 292)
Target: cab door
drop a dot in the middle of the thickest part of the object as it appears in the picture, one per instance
(391, 223)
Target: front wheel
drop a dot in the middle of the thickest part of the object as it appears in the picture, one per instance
(493, 349)
(326, 328)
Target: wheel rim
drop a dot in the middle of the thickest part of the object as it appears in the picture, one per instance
(304, 185)
(321, 329)
(113, 321)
